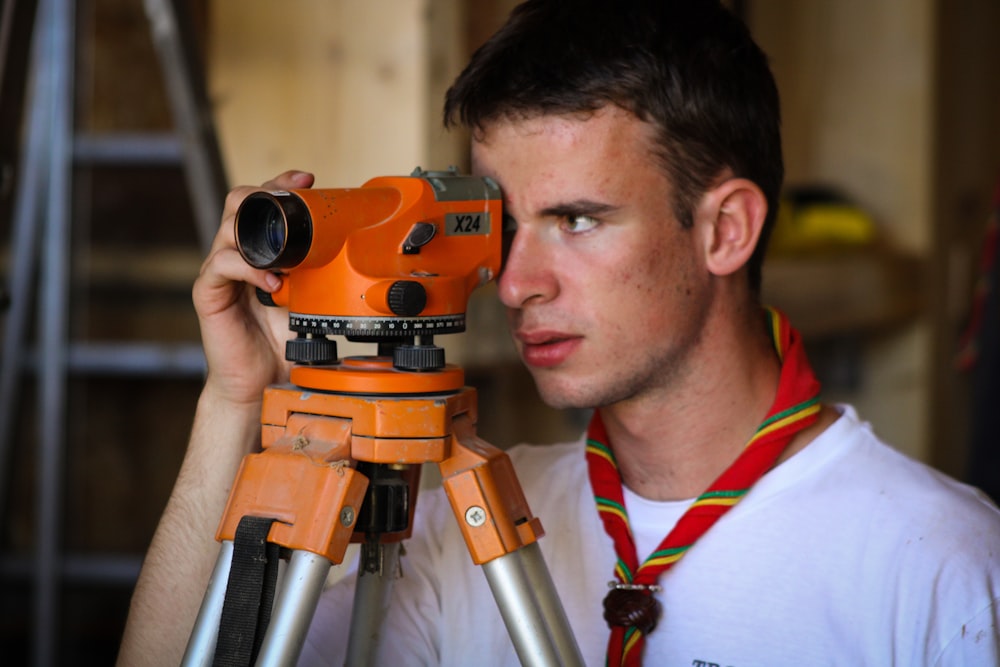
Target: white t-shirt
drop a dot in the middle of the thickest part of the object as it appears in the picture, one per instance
(848, 553)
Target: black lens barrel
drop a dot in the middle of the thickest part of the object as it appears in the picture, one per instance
(273, 230)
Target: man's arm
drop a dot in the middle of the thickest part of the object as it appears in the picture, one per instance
(183, 551)
(244, 348)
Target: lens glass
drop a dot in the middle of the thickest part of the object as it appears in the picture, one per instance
(274, 232)
(261, 231)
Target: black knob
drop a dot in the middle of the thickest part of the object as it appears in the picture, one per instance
(418, 357)
(313, 351)
(406, 298)
(265, 298)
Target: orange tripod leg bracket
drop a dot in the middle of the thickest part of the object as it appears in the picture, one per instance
(486, 496)
(303, 479)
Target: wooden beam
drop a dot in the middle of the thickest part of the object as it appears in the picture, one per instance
(341, 88)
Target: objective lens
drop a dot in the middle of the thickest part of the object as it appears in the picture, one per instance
(273, 230)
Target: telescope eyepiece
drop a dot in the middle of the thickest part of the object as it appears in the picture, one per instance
(273, 230)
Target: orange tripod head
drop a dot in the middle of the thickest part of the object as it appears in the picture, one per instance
(394, 259)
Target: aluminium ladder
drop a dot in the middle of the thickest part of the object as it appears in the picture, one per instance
(41, 228)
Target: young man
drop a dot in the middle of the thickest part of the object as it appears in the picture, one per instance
(638, 149)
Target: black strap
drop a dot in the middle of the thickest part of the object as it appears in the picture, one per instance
(246, 610)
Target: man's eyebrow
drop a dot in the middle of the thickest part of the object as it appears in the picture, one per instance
(578, 207)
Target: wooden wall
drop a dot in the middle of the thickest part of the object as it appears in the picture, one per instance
(353, 90)
(857, 88)
(348, 90)
(895, 102)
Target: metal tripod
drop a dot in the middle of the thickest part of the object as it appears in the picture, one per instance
(308, 479)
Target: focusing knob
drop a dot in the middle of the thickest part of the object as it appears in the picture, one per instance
(418, 357)
(313, 351)
(406, 298)
(265, 298)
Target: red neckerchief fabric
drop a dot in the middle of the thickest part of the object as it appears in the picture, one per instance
(630, 607)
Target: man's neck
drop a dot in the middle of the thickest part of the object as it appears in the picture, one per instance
(673, 443)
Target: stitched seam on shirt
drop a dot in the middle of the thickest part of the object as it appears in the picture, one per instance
(960, 634)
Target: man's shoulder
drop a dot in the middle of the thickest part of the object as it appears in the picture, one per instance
(895, 494)
(896, 476)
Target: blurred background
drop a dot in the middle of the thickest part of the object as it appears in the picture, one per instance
(109, 191)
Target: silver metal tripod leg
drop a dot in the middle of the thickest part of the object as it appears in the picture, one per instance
(201, 646)
(371, 601)
(531, 609)
(294, 607)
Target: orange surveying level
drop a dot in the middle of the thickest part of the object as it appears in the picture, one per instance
(391, 263)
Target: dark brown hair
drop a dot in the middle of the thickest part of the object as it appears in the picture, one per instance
(690, 67)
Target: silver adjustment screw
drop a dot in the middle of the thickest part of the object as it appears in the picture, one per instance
(475, 516)
(347, 516)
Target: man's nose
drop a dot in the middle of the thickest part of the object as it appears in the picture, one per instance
(528, 274)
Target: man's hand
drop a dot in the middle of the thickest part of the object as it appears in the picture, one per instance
(244, 341)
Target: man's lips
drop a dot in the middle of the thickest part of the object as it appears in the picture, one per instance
(545, 349)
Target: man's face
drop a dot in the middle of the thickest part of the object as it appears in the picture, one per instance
(606, 293)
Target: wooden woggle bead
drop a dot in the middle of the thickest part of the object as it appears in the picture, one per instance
(632, 608)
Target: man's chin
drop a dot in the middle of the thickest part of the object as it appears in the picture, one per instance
(563, 397)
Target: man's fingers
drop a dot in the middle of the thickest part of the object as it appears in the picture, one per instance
(221, 271)
(227, 266)
(290, 180)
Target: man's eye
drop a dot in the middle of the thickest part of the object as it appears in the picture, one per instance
(577, 224)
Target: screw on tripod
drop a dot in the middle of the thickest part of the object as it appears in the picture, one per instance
(475, 516)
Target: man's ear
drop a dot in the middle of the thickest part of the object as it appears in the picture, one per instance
(730, 218)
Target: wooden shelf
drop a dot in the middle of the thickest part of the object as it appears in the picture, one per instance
(845, 292)
(154, 269)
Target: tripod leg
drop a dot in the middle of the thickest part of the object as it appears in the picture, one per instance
(371, 601)
(301, 480)
(529, 605)
(502, 535)
(294, 609)
(201, 645)
(550, 606)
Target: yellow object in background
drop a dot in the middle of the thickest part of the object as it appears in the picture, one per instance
(816, 218)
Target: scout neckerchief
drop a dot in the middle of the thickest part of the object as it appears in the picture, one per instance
(631, 610)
